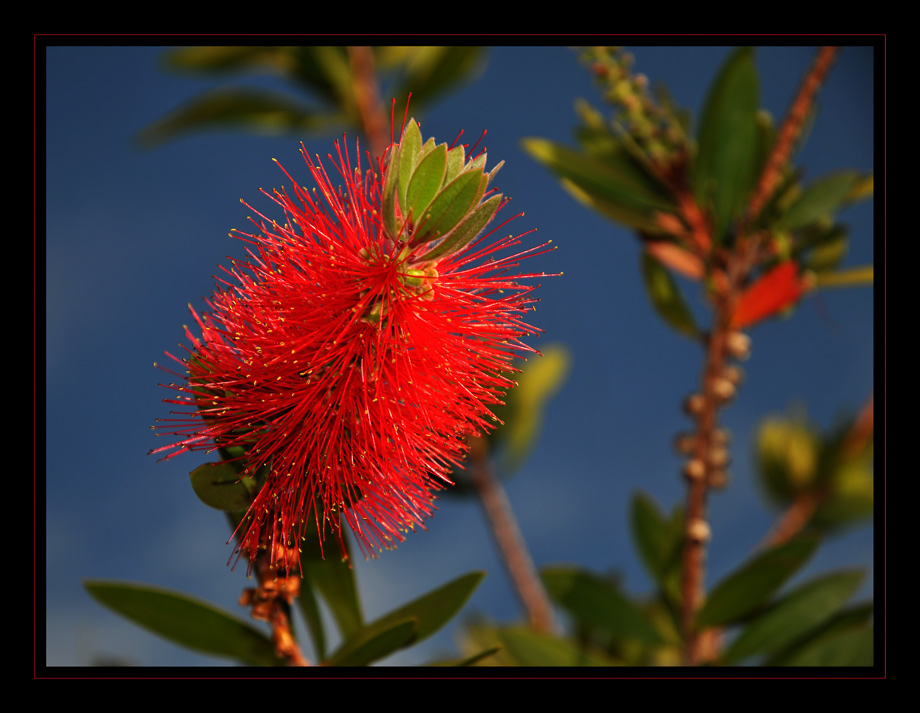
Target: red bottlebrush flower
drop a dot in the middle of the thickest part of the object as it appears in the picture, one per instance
(773, 292)
(362, 340)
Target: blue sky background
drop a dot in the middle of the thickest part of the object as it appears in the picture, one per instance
(134, 236)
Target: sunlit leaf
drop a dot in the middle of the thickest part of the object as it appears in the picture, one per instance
(540, 379)
(853, 277)
(186, 621)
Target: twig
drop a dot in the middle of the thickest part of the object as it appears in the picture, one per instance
(792, 128)
(508, 537)
(271, 602)
(367, 98)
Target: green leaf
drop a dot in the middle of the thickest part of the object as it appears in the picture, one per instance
(435, 609)
(186, 621)
(801, 611)
(224, 60)
(855, 617)
(725, 165)
(743, 591)
(309, 608)
(333, 578)
(527, 648)
(819, 199)
(599, 184)
(666, 296)
(428, 72)
(409, 146)
(450, 206)
(426, 181)
(596, 603)
(455, 160)
(847, 647)
(469, 660)
(219, 486)
(374, 642)
(264, 112)
(651, 535)
(862, 276)
(463, 234)
(540, 379)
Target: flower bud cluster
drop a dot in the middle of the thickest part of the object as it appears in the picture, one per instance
(656, 129)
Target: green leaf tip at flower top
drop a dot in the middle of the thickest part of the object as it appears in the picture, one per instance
(433, 195)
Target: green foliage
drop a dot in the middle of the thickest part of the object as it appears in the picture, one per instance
(725, 166)
(598, 604)
(324, 76)
(406, 625)
(794, 618)
(666, 297)
(750, 586)
(521, 417)
(186, 621)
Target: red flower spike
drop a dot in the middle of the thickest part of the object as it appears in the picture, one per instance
(773, 292)
(349, 370)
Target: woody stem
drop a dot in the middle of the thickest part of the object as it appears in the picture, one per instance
(509, 540)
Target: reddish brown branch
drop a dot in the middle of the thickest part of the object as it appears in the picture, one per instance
(510, 542)
(367, 98)
(792, 128)
(271, 601)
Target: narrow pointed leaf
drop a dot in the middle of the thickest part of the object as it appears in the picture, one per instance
(596, 603)
(464, 233)
(651, 536)
(527, 648)
(751, 586)
(435, 609)
(540, 379)
(334, 579)
(726, 161)
(847, 647)
(426, 181)
(794, 616)
(855, 617)
(264, 112)
(469, 660)
(455, 159)
(218, 485)
(375, 642)
(454, 201)
(820, 198)
(666, 296)
(309, 608)
(186, 621)
(409, 147)
(862, 276)
(597, 179)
